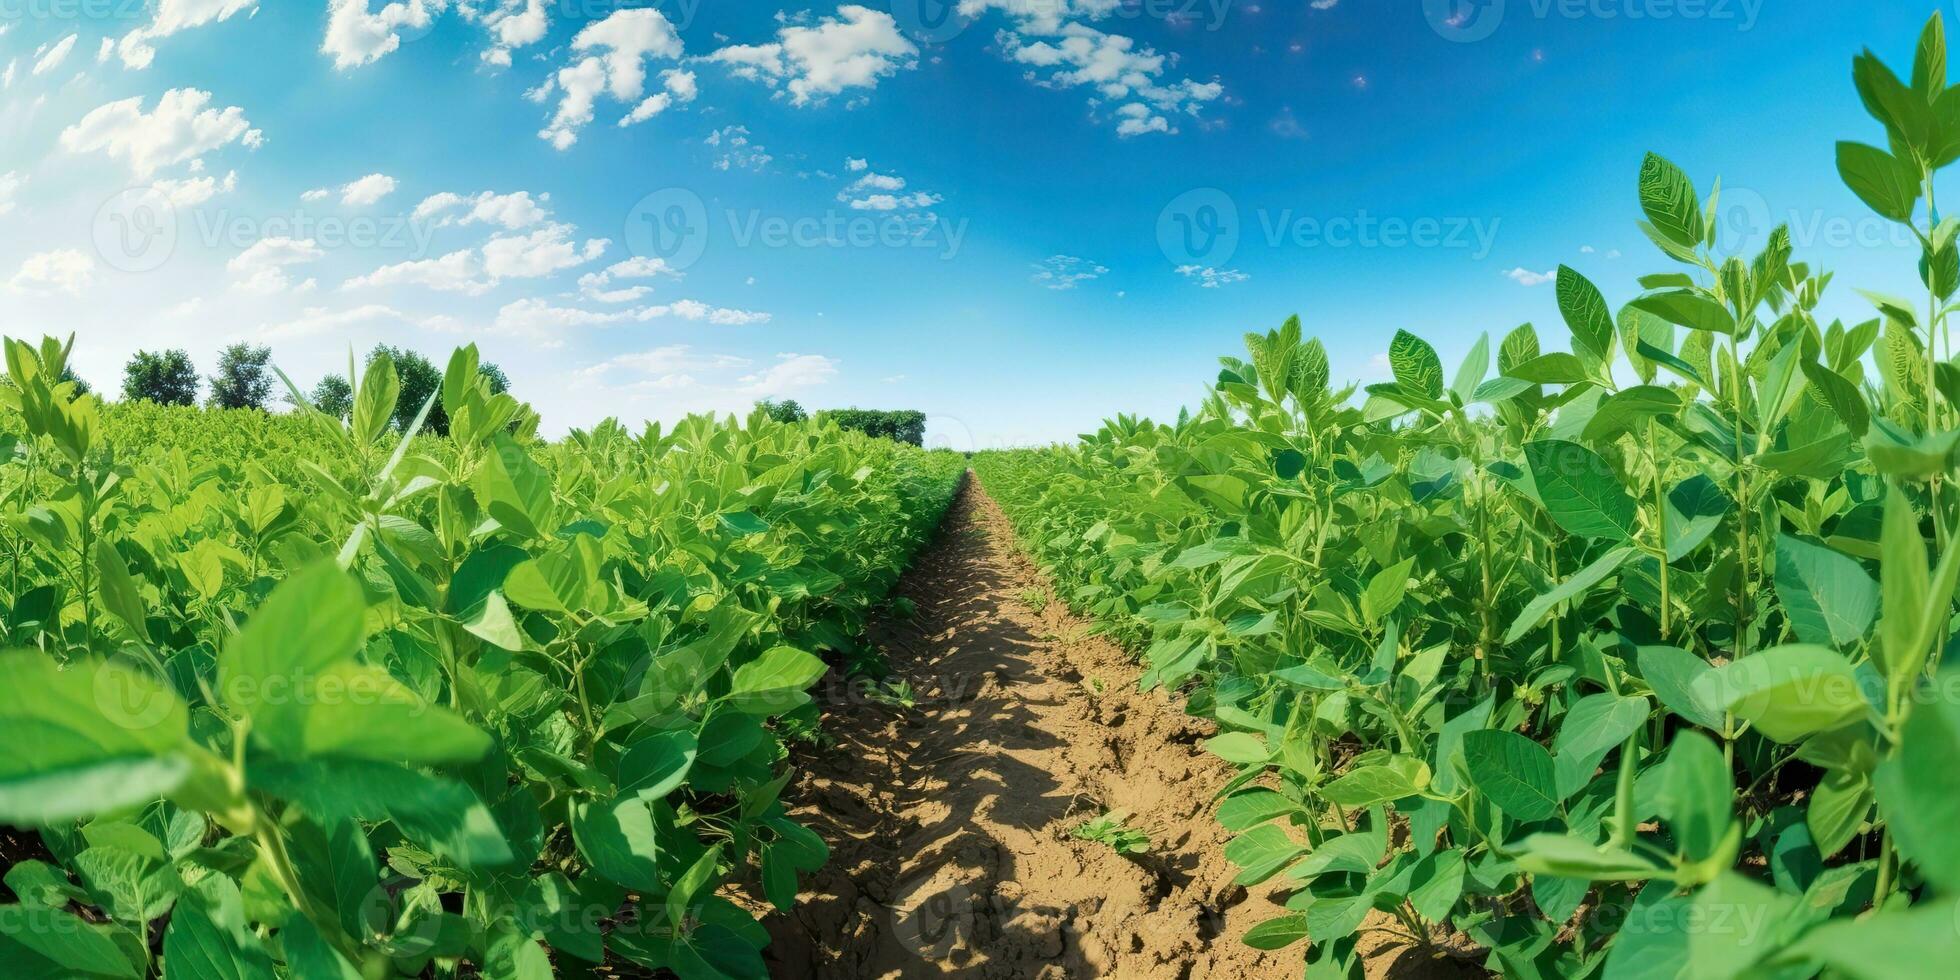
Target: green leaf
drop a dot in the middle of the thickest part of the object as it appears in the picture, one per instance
(1787, 692)
(1595, 725)
(356, 711)
(1556, 368)
(1436, 883)
(1365, 786)
(1668, 199)
(1690, 308)
(1580, 490)
(1693, 794)
(1513, 771)
(656, 765)
(619, 840)
(1841, 396)
(54, 944)
(1415, 364)
(1628, 410)
(1470, 374)
(1919, 788)
(208, 938)
(689, 884)
(118, 590)
(515, 490)
(1262, 852)
(1239, 748)
(1251, 807)
(1385, 590)
(1672, 673)
(309, 622)
(1576, 587)
(1277, 933)
(374, 404)
(1828, 596)
(1695, 508)
(1885, 183)
(1896, 944)
(93, 738)
(1573, 857)
(1586, 315)
(775, 681)
(438, 813)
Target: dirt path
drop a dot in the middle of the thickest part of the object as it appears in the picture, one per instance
(949, 821)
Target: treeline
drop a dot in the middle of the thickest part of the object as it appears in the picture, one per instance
(245, 378)
(899, 425)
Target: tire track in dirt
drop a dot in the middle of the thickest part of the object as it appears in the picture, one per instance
(949, 821)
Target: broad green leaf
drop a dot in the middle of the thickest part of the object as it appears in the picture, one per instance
(1277, 933)
(1668, 198)
(1595, 725)
(208, 938)
(89, 739)
(1919, 788)
(1897, 944)
(355, 711)
(619, 840)
(1415, 364)
(1251, 807)
(435, 812)
(1787, 692)
(1688, 308)
(1366, 786)
(1513, 771)
(310, 622)
(1885, 183)
(1829, 597)
(54, 944)
(1695, 508)
(1576, 587)
(656, 765)
(1672, 672)
(1693, 794)
(1262, 852)
(1580, 490)
(1586, 315)
(515, 490)
(1571, 857)
(775, 681)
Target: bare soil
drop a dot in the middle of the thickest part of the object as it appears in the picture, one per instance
(949, 821)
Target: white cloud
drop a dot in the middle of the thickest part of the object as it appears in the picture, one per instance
(1068, 54)
(596, 286)
(539, 321)
(1525, 277)
(688, 309)
(512, 24)
(367, 190)
(173, 16)
(1210, 278)
(316, 194)
(180, 129)
(457, 272)
(791, 372)
(881, 182)
(855, 164)
(1066, 271)
(7, 76)
(55, 55)
(627, 39)
(671, 359)
(63, 270)
(739, 151)
(107, 48)
(318, 320)
(540, 253)
(262, 267)
(878, 192)
(852, 50)
(357, 35)
(10, 185)
(511, 211)
(193, 191)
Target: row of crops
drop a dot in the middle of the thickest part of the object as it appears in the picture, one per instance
(288, 696)
(1624, 660)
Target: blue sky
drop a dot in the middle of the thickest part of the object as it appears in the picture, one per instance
(1003, 216)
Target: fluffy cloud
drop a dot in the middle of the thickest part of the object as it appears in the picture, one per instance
(475, 271)
(1210, 278)
(614, 55)
(1069, 54)
(319, 319)
(54, 56)
(180, 129)
(854, 49)
(879, 192)
(539, 321)
(456, 272)
(193, 191)
(540, 253)
(512, 24)
(357, 35)
(1526, 277)
(1066, 271)
(367, 190)
(173, 16)
(262, 268)
(739, 152)
(596, 286)
(668, 360)
(791, 372)
(510, 211)
(63, 270)
(10, 184)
